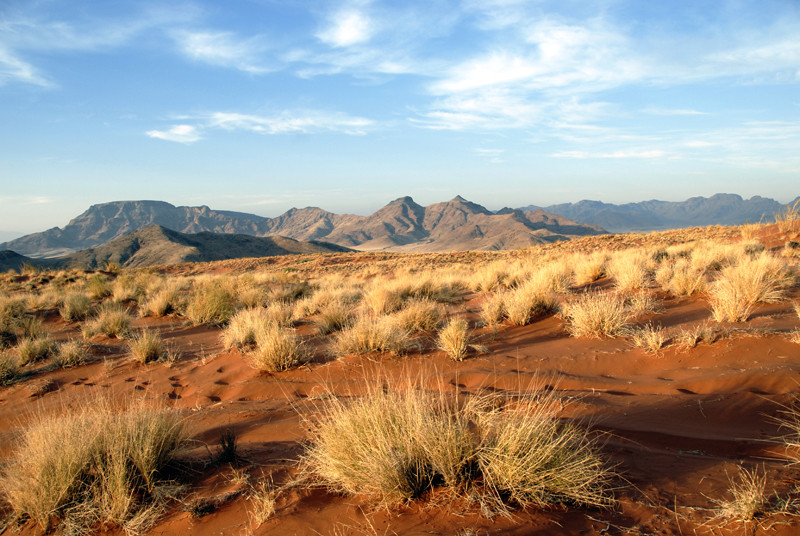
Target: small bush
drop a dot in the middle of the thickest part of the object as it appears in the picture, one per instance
(493, 309)
(164, 301)
(383, 300)
(76, 306)
(98, 287)
(8, 368)
(420, 315)
(70, 354)
(243, 326)
(147, 346)
(112, 320)
(650, 338)
(748, 497)
(453, 339)
(12, 312)
(93, 465)
(395, 446)
(596, 315)
(278, 349)
(334, 316)
(629, 270)
(531, 299)
(590, 268)
(372, 335)
(212, 303)
(737, 290)
(686, 280)
(31, 350)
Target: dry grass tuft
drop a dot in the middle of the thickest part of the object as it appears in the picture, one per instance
(394, 446)
(454, 338)
(334, 316)
(420, 314)
(368, 334)
(737, 290)
(112, 320)
(70, 354)
(211, 303)
(749, 497)
(147, 346)
(93, 465)
(263, 498)
(596, 315)
(277, 349)
(76, 306)
(31, 350)
(493, 309)
(535, 297)
(650, 338)
(9, 370)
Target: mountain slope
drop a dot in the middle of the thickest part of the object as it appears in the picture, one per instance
(401, 225)
(719, 209)
(156, 245)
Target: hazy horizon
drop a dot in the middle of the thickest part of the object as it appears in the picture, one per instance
(257, 107)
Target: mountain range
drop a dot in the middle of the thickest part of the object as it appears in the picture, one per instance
(719, 209)
(157, 245)
(402, 225)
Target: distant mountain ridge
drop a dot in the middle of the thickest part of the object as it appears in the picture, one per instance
(402, 225)
(719, 209)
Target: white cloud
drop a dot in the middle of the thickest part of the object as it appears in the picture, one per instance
(672, 111)
(307, 122)
(13, 69)
(346, 28)
(178, 133)
(223, 49)
(298, 122)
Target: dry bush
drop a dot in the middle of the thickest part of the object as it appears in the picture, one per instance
(98, 287)
(713, 257)
(370, 334)
(112, 320)
(70, 354)
(147, 346)
(9, 370)
(263, 497)
(686, 280)
(760, 280)
(31, 350)
(534, 297)
(642, 303)
(749, 497)
(242, 328)
(164, 298)
(127, 288)
(75, 306)
(491, 277)
(394, 446)
(596, 315)
(280, 314)
(493, 309)
(453, 339)
(794, 336)
(420, 315)
(93, 464)
(629, 270)
(796, 306)
(213, 302)
(789, 219)
(277, 349)
(334, 316)
(650, 338)
(383, 299)
(589, 268)
(12, 313)
(690, 338)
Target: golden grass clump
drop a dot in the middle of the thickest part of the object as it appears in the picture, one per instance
(642, 303)
(649, 337)
(12, 313)
(629, 270)
(749, 497)
(763, 279)
(163, 300)
(277, 349)
(383, 299)
(31, 350)
(534, 297)
(70, 354)
(147, 346)
(589, 268)
(334, 316)
(211, 303)
(395, 446)
(493, 309)
(420, 314)
(94, 465)
(75, 306)
(9, 369)
(690, 338)
(453, 339)
(371, 334)
(596, 314)
(98, 287)
(685, 279)
(112, 320)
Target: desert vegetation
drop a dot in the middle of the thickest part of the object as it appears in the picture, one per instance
(404, 380)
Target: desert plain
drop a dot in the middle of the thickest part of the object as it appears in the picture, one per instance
(671, 360)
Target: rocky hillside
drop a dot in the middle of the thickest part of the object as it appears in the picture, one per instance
(157, 245)
(719, 209)
(402, 225)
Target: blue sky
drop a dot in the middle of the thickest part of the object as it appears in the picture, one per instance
(260, 105)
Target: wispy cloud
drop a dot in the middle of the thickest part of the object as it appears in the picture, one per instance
(178, 133)
(672, 111)
(615, 154)
(287, 122)
(13, 69)
(224, 49)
